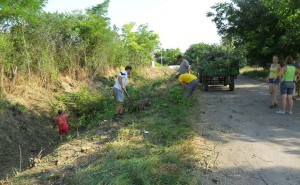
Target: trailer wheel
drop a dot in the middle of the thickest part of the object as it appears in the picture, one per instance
(200, 79)
(205, 85)
(231, 85)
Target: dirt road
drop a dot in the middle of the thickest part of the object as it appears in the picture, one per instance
(253, 145)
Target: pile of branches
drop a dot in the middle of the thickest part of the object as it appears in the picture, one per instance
(218, 60)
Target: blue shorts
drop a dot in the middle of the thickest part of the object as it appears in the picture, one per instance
(287, 87)
(274, 81)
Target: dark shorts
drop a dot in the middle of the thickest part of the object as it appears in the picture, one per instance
(287, 87)
(274, 81)
(64, 130)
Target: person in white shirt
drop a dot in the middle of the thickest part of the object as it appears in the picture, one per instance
(119, 89)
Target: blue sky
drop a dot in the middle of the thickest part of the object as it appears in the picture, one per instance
(179, 23)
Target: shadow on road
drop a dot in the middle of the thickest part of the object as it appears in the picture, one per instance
(253, 142)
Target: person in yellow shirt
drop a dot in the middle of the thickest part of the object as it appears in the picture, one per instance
(189, 82)
(274, 80)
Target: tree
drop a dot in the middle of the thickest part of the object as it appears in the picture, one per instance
(15, 17)
(262, 27)
(45, 44)
(197, 51)
(16, 12)
(168, 56)
(140, 43)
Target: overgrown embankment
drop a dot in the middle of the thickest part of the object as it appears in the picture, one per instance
(154, 143)
(257, 73)
(23, 132)
(26, 120)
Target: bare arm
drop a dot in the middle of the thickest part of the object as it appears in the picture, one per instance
(122, 87)
(282, 70)
(279, 67)
(183, 85)
(67, 114)
(121, 82)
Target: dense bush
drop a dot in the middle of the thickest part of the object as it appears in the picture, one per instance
(46, 44)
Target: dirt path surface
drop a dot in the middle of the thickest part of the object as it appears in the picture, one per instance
(253, 145)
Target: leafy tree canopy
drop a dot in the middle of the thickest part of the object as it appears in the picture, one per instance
(14, 12)
(140, 41)
(167, 56)
(262, 27)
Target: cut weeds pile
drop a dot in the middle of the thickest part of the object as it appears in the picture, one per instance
(154, 143)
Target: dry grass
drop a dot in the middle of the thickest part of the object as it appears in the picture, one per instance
(182, 154)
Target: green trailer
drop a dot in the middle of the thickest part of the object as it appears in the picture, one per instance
(218, 75)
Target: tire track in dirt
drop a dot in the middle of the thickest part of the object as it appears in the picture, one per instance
(253, 144)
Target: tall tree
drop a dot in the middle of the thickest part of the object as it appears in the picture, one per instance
(15, 17)
(197, 51)
(167, 56)
(263, 27)
(15, 12)
(140, 43)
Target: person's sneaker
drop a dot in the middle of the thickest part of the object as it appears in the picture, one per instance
(115, 117)
(272, 106)
(280, 112)
(289, 112)
(120, 116)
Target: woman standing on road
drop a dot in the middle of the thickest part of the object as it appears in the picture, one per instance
(274, 80)
(287, 76)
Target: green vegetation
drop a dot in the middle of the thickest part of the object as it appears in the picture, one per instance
(4, 104)
(90, 106)
(33, 42)
(82, 45)
(162, 156)
(137, 162)
(258, 73)
(154, 145)
(215, 59)
(168, 56)
(262, 27)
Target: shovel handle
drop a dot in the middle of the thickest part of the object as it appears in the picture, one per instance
(126, 93)
(127, 96)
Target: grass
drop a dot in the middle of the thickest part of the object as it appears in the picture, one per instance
(258, 73)
(154, 147)
(87, 106)
(138, 162)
